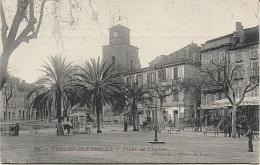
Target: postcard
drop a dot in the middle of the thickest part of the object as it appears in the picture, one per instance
(129, 82)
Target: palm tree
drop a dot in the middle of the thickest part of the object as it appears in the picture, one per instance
(57, 79)
(102, 83)
(134, 93)
(43, 99)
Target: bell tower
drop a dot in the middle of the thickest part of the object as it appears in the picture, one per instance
(119, 51)
(119, 35)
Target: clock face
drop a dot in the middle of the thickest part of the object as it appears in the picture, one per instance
(115, 34)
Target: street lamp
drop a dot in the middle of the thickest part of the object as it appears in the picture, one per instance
(156, 122)
(156, 141)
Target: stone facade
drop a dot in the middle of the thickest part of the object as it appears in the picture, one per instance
(176, 107)
(241, 49)
(119, 51)
(17, 108)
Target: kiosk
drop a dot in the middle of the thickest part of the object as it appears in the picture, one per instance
(78, 122)
(78, 118)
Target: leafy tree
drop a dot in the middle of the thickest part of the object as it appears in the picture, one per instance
(58, 75)
(44, 99)
(102, 82)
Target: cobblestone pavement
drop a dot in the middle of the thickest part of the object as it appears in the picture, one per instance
(116, 146)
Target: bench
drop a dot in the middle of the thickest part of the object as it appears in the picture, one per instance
(170, 129)
(110, 122)
(215, 131)
(4, 133)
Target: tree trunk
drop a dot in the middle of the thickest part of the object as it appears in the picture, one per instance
(195, 109)
(134, 114)
(29, 111)
(42, 109)
(6, 109)
(49, 115)
(137, 120)
(234, 119)
(99, 122)
(195, 114)
(134, 125)
(99, 114)
(3, 68)
(160, 117)
(201, 114)
(58, 100)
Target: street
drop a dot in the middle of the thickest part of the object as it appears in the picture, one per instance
(116, 146)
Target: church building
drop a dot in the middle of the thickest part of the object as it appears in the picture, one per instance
(119, 51)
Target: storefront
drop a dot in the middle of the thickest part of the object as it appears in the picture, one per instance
(222, 108)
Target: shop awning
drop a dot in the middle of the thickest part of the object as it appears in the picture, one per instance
(225, 103)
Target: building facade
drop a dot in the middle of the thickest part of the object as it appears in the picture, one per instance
(240, 50)
(14, 102)
(176, 107)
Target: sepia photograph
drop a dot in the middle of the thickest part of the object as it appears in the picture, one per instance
(129, 82)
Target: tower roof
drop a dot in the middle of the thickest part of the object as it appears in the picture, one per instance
(118, 25)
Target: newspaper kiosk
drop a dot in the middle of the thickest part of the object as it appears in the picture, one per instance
(78, 122)
(78, 118)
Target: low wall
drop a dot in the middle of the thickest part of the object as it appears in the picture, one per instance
(27, 126)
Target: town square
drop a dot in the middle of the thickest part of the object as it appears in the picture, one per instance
(116, 146)
(132, 82)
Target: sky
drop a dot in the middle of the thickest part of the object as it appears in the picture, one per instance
(157, 28)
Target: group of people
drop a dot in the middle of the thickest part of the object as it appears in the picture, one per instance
(228, 130)
(15, 129)
(249, 134)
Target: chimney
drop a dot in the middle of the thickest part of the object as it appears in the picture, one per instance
(240, 32)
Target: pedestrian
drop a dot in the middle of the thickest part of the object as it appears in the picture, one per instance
(239, 130)
(250, 138)
(16, 129)
(125, 126)
(225, 130)
(229, 129)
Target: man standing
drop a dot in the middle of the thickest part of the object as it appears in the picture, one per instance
(225, 130)
(250, 138)
(125, 126)
(16, 129)
(229, 129)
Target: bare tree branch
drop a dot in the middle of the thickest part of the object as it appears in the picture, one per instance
(4, 25)
(21, 8)
(245, 91)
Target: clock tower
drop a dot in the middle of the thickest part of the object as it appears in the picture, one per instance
(119, 51)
